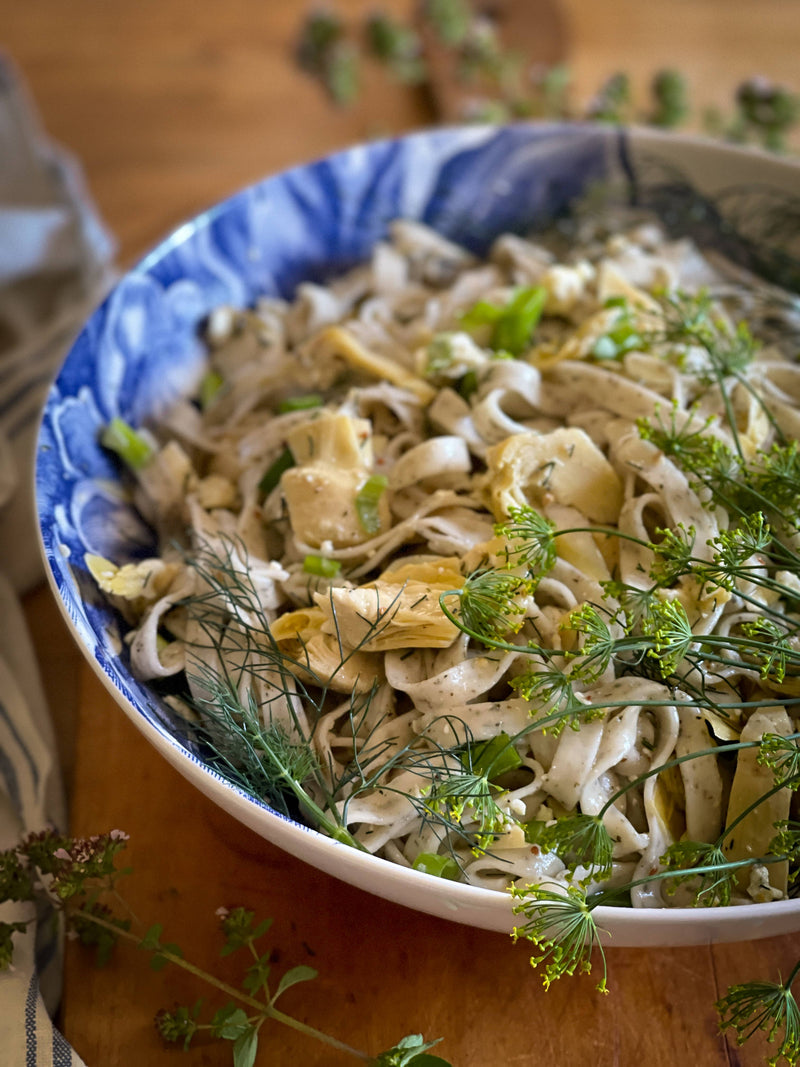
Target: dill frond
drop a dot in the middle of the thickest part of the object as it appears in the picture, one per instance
(766, 1006)
(465, 794)
(668, 625)
(706, 865)
(556, 702)
(599, 645)
(776, 476)
(771, 648)
(782, 755)
(258, 757)
(580, 841)
(530, 540)
(489, 608)
(561, 925)
(672, 554)
(786, 842)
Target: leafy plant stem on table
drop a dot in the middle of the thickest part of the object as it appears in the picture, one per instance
(497, 84)
(77, 877)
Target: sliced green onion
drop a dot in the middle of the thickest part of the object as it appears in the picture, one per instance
(367, 500)
(209, 387)
(495, 757)
(513, 330)
(300, 403)
(131, 447)
(481, 314)
(468, 384)
(439, 866)
(623, 337)
(513, 324)
(321, 566)
(604, 348)
(273, 473)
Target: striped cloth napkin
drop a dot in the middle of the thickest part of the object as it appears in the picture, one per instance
(55, 261)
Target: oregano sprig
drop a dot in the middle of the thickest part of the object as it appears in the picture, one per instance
(78, 878)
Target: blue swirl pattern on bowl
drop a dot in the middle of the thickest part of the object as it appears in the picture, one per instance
(140, 350)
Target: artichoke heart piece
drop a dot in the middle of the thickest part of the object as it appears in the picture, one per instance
(340, 342)
(750, 838)
(318, 659)
(334, 459)
(562, 467)
(332, 438)
(148, 580)
(399, 610)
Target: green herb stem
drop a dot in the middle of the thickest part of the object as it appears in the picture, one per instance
(263, 1008)
(600, 898)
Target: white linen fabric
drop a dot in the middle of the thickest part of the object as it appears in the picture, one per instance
(55, 264)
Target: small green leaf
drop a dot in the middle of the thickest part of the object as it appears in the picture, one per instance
(152, 938)
(257, 974)
(129, 445)
(468, 384)
(272, 475)
(494, 757)
(513, 324)
(300, 403)
(7, 930)
(245, 1048)
(412, 1049)
(261, 928)
(230, 1023)
(210, 386)
(293, 977)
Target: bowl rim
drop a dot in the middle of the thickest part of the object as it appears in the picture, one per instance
(323, 852)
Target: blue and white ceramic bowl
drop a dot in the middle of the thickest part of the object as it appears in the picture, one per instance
(140, 350)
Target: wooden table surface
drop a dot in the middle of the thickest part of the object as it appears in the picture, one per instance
(170, 105)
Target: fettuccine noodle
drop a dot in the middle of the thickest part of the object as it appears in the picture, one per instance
(362, 450)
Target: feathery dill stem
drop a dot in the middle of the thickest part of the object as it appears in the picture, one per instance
(683, 873)
(717, 750)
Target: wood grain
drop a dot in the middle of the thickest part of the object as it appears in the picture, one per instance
(170, 105)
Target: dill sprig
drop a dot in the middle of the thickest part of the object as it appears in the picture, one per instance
(560, 924)
(489, 604)
(267, 755)
(707, 865)
(555, 702)
(786, 842)
(716, 879)
(240, 657)
(580, 840)
(466, 794)
(530, 540)
(766, 1006)
(691, 319)
(782, 755)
